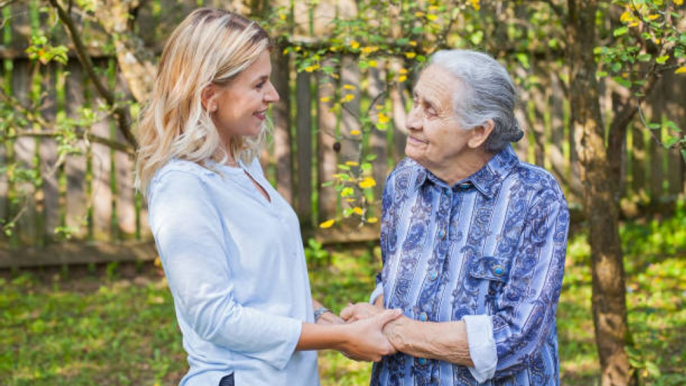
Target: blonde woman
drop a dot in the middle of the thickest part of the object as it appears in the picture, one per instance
(230, 245)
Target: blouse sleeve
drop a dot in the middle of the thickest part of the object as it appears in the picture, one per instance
(190, 238)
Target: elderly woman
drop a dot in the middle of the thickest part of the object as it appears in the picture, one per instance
(473, 239)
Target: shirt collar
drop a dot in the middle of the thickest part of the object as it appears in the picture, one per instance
(487, 180)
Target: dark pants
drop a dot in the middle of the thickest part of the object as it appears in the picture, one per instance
(227, 381)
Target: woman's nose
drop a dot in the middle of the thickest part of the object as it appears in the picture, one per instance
(271, 96)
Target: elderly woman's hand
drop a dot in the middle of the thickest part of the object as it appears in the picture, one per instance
(366, 340)
(359, 311)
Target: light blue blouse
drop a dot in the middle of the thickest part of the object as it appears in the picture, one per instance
(236, 269)
(489, 250)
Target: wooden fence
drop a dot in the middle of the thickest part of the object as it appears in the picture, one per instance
(91, 194)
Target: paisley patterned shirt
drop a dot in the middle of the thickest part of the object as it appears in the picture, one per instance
(489, 250)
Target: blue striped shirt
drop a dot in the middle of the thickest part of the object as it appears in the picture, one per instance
(489, 250)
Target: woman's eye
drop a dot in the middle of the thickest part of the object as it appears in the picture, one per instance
(260, 85)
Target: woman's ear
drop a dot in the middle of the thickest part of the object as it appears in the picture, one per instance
(208, 95)
(480, 134)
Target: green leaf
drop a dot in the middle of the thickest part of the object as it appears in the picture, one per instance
(644, 57)
(624, 82)
(683, 154)
(620, 31)
(654, 126)
(662, 59)
(669, 142)
(371, 157)
(616, 66)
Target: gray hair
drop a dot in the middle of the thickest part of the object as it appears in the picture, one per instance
(488, 93)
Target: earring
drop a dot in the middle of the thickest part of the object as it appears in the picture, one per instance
(213, 108)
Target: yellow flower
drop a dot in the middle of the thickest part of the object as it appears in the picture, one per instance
(325, 99)
(410, 55)
(358, 211)
(653, 17)
(402, 78)
(347, 192)
(368, 50)
(354, 45)
(352, 163)
(327, 224)
(432, 17)
(383, 118)
(285, 50)
(373, 63)
(349, 200)
(402, 71)
(372, 220)
(282, 16)
(475, 4)
(348, 98)
(355, 132)
(433, 8)
(678, 2)
(413, 43)
(680, 70)
(367, 183)
(309, 68)
(348, 87)
(419, 14)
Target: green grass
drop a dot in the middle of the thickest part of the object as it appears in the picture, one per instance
(115, 325)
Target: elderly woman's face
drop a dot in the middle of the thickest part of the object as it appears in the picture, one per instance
(435, 139)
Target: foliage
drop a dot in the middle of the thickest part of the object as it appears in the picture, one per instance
(116, 325)
(647, 41)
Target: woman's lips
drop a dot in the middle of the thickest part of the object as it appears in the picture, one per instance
(416, 140)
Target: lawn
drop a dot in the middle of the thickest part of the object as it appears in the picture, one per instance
(115, 324)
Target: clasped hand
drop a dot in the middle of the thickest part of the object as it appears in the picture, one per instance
(367, 314)
(366, 340)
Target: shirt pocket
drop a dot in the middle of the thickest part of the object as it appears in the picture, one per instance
(492, 268)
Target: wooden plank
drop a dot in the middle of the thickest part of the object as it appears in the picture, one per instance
(101, 161)
(24, 152)
(77, 253)
(75, 166)
(124, 194)
(675, 111)
(656, 152)
(304, 147)
(282, 125)
(48, 155)
(399, 97)
(326, 138)
(378, 139)
(351, 145)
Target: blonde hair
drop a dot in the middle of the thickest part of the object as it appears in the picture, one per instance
(209, 47)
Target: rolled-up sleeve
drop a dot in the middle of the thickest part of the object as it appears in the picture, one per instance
(193, 246)
(528, 302)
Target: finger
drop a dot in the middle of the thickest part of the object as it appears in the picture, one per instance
(347, 312)
(388, 316)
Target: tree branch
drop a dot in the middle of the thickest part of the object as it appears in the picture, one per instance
(120, 113)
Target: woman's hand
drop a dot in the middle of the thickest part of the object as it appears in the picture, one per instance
(360, 311)
(365, 338)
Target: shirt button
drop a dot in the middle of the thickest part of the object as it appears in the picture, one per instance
(421, 361)
(447, 192)
(433, 275)
(423, 317)
(465, 185)
(499, 270)
(441, 234)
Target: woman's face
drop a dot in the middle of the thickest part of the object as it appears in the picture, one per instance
(435, 139)
(240, 108)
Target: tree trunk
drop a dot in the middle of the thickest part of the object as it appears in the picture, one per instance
(608, 299)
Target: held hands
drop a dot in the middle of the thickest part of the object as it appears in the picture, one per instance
(366, 338)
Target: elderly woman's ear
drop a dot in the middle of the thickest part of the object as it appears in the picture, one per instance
(479, 134)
